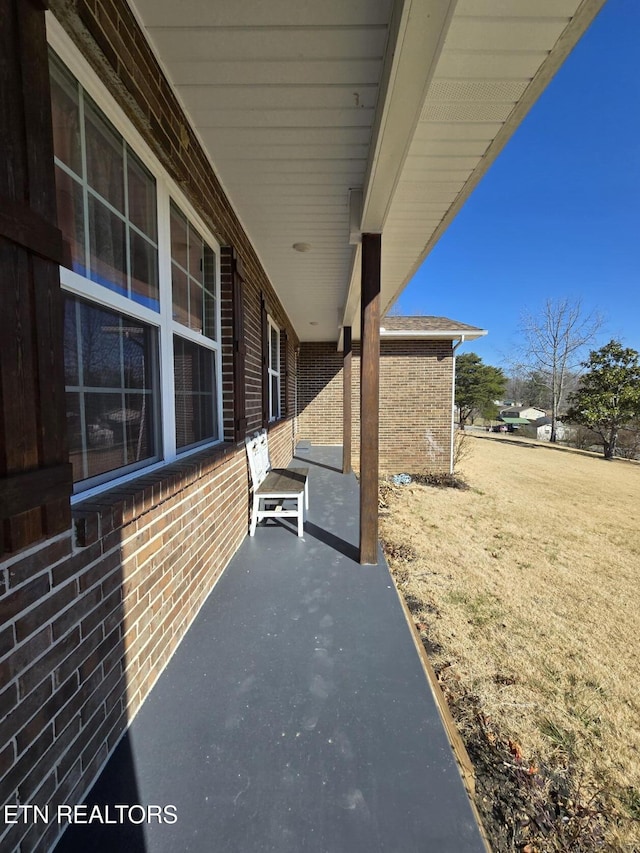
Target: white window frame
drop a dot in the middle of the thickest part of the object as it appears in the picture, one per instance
(274, 372)
(77, 285)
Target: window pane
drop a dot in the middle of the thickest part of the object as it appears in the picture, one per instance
(100, 359)
(180, 291)
(210, 315)
(70, 203)
(196, 247)
(275, 397)
(209, 268)
(111, 408)
(209, 320)
(142, 196)
(74, 433)
(71, 375)
(275, 346)
(119, 256)
(105, 170)
(137, 355)
(188, 249)
(195, 393)
(138, 427)
(105, 435)
(178, 238)
(65, 116)
(108, 248)
(195, 305)
(144, 271)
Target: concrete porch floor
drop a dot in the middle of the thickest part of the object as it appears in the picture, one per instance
(295, 715)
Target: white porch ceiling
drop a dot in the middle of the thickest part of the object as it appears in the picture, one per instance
(297, 101)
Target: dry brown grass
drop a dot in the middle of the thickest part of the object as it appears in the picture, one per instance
(525, 588)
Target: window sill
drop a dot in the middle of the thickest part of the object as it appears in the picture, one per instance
(100, 515)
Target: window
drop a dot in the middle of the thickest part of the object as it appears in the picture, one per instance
(195, 393)
(194, 307)
(111, 390)
(273, 365)
(106, 197)
(141, 331)
(193, 277)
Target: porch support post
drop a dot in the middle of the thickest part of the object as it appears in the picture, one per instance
(369, 397)
(346, 400)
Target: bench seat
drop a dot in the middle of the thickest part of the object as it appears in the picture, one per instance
(272, 487)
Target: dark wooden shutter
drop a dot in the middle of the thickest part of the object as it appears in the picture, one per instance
(265, 361)
(284, 371)
(239, 352)
(35, 476)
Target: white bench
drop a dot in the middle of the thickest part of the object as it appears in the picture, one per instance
(274, 486)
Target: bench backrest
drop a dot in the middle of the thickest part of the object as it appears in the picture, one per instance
(258, 457)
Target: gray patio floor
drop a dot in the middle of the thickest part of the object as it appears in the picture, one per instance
(295, 715)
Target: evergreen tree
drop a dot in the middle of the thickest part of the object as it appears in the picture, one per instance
(477, 385)
(609, 394)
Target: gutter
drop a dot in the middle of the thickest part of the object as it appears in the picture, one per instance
(453, 395)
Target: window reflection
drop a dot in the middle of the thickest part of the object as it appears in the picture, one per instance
(111, 389)
(193, 267)
(195, 393)
(105, 194)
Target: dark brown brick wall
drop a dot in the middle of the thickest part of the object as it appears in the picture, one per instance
(415, 402)
(91, 620)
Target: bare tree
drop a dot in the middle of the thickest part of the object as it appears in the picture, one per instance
(554, 343)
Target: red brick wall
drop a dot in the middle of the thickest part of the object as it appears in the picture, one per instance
(415, 402)
(90, 618)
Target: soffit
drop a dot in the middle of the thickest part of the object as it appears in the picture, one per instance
(296, 102)
(282, 95)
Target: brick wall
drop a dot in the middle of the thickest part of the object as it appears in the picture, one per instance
(415, 402)
(320, 393)
(89, 619)
(91, 626)
(415, 410)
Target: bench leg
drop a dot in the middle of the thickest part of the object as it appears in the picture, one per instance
(300, 514)
(254, 516)
(306, 494)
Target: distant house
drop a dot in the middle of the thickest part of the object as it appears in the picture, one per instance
(531, 413)
(541, 429)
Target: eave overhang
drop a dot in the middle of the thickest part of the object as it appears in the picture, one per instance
(507, 79)
(402, 104)
(436, 335)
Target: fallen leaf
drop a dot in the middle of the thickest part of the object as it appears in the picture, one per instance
(515, 749)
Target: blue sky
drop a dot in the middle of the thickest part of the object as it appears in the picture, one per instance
(558, 214)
